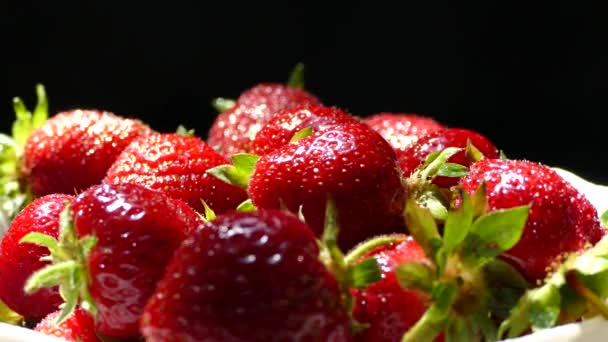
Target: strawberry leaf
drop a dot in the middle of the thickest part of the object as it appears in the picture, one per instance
(49, 276)
(544, 307)
(296, 78)
(458, 329)
(452, 170)
(604, 218)
(365, 273)
(505, 285)
(41, 240)
(41, 111)
(494, 233)
(222, 104)
(486, 326)
(246, 206)
(480, 201)
(9, 316)
(458, 223)
(423, 228)
(414, 275)
(432, 200)
(473, 154)
(182, 130)
(301, 134)
(502, 155)
(239, 172)
(430, 169)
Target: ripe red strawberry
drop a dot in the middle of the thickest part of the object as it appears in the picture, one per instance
(401, 130)
(73, 150)
(78, 327)
(279, 130)
(234, 130)
(20, 260)
(138, 231)
(437, 141)
(387, 308)
(176, 165)
(561, 220)
(351, 162)
(247, 277)
(117, 239)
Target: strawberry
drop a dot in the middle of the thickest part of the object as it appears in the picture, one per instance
(388, 309)
(401, 130)
(561, 220)
(176, 165)
(78, 327)
(351, 162)
(247, 277)
(234, 129)
(19, 261)
(115, 242)
(439, 140)
(282, 128)
(73, 150)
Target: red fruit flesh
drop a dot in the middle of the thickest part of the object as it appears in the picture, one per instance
(389, 309)
(78, 327)
(351, 162)
(401, 130)
(138, 230)
(561, 220)
(73, 150)
(176, 165)
(439, 140)
(282, 127)
(20, 260)
(247, 277)
(234, 130)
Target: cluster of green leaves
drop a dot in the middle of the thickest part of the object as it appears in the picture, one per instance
(13, 196)
(463, 264)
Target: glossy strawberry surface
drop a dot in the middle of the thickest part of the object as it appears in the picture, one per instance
(282, 127)
(401, 130)
(438, 140)
(561, 220)
(176, 165)
(247, 277)
(20, 260)
(234, 130)
(74, 149)
(351, 162)
(78, 327)
(387, 308)
(138, 230)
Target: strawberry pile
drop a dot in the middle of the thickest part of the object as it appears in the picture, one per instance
(290, 220)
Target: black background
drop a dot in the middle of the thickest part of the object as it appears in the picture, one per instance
(530, 75)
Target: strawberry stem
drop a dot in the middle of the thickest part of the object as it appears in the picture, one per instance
(296, 78)
(361, 249)
(434, 320)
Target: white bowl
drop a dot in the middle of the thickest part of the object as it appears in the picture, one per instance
(593, 330)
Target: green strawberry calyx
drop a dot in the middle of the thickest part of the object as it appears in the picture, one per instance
(237, 173)
(14, 194)
(9, 316)
(468, 285)
(578, 289)
(68, 266)
(295, 80)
